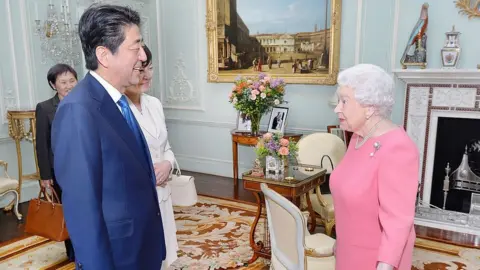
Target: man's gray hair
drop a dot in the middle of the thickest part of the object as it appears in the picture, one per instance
(372, 86)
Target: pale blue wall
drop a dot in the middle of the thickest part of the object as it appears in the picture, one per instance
(199, 129)
(201, 139)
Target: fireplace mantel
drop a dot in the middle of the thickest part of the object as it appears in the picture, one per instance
(438, 76)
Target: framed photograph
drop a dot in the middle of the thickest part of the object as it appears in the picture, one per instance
(298, 41)
(244, 124)
(344, 135)
(339, 132)
(278, 118)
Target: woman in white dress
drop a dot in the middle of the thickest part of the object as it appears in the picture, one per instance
(149, 114)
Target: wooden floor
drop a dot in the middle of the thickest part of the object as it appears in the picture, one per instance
(222, 187)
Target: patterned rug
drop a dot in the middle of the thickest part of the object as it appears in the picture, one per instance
(214, 234)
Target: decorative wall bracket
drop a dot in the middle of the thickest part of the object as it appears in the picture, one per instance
(471, 8)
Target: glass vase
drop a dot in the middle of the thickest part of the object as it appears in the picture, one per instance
(255, 119)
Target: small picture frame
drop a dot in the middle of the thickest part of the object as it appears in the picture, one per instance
(244, 124)
(278, 118)
(335, 130)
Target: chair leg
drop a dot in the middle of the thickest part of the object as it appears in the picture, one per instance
(15, 206)
(329, 226)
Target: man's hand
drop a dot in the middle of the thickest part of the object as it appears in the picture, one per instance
(46, 183)
(162, 172)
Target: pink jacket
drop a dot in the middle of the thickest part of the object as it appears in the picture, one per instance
(374, 200)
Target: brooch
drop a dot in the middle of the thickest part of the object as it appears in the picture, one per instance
(376, 146)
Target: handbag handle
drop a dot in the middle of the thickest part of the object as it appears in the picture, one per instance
(47, 196)
(179, 172)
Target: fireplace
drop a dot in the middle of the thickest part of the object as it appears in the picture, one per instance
(442, 116)
(457, 150)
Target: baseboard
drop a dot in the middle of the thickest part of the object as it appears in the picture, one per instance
(210, 165)
(30, 190)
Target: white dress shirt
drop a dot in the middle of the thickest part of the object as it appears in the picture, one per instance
(112, 91)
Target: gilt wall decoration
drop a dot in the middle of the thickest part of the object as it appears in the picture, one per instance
(471, 8)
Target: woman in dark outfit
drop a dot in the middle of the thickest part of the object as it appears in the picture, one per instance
(61, 78)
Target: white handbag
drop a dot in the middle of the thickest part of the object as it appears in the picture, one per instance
(183, 188)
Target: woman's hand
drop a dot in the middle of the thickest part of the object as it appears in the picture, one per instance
(334, 248)
(162, 172)
(47, 184)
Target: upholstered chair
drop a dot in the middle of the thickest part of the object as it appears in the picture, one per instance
(325, 150)
(291, 247)
(9, 186)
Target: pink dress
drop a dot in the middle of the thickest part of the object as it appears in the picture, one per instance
(374, 199)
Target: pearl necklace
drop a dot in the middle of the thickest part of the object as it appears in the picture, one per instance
(369, 134)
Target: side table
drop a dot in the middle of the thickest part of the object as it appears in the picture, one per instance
(296, 182)
(17, 131)
(245, 138)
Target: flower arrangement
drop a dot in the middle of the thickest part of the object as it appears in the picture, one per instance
(256, 96)
(273, 144)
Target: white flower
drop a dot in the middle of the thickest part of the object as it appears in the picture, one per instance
(235, 100)
(276, 101)
(263, 95)
(253, 97)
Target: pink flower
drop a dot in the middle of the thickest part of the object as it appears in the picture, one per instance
(267, 79)
(262, 88)
(230, 95)
(284, 142)
(249, 81)
(283, 151)
(234, 87)
(267, 136)
(255, 92)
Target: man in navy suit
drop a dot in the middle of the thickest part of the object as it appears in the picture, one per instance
(101, 160)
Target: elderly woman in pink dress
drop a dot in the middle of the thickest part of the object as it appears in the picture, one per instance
(375, 185)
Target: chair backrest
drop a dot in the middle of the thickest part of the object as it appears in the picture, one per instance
(287, 230)
(313, 147)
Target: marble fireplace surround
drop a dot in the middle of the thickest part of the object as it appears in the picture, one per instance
(430, 94)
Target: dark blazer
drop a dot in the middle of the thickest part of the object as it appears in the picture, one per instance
(109, 197)
(44, 114)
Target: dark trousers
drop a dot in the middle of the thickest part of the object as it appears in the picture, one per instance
(68, 242)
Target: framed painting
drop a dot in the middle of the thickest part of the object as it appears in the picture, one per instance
(298, 41)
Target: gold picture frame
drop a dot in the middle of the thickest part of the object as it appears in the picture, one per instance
(313, 58)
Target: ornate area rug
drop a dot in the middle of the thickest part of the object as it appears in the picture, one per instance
(214, 234)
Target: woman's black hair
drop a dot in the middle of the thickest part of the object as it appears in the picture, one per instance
(149, 56)
(57, 70)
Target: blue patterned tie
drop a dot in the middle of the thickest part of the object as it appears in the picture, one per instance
(132, 122)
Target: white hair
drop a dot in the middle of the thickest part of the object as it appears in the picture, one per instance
(372, 86)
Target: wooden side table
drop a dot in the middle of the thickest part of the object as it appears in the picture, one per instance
(245, 138)
(297, 181)
(16, 130)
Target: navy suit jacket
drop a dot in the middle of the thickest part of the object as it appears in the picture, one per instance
(109, 197)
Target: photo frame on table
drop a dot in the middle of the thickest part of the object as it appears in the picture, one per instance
(244, 124)
(278, 119)
(342, 134)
